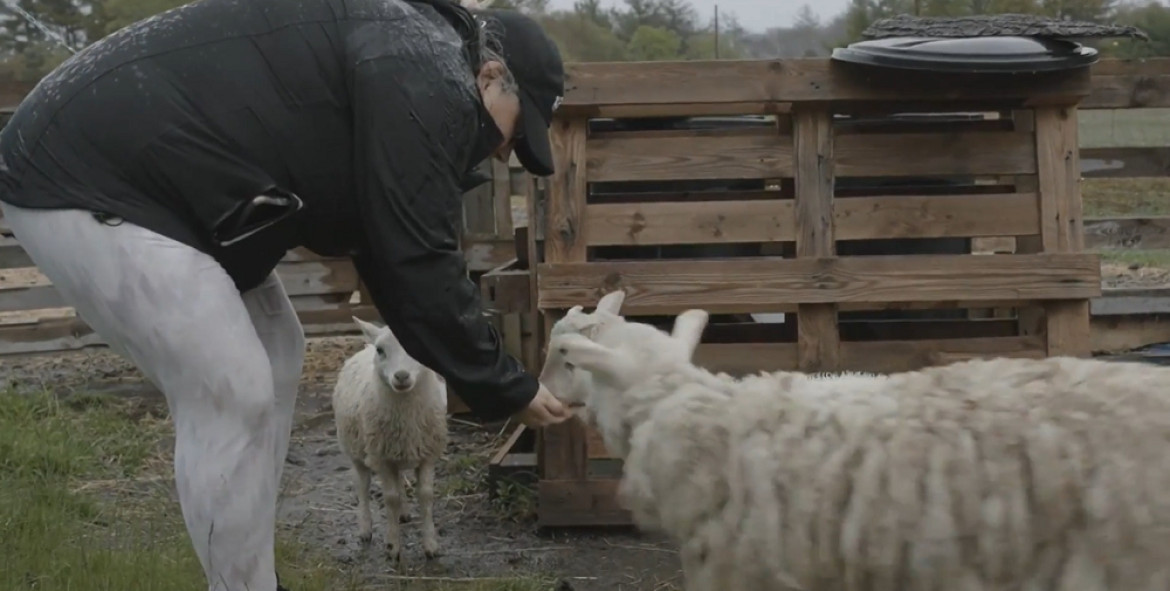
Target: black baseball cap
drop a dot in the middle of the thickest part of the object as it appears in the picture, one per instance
(535, 63)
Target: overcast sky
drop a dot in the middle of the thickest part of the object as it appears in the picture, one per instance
(754, 15)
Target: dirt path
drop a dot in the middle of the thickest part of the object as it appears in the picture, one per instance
(480, 537)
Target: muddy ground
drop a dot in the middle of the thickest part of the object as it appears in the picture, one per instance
(480, 536)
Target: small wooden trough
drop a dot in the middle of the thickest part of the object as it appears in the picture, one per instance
(848, 207)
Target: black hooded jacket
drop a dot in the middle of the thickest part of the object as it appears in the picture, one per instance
(359, 120)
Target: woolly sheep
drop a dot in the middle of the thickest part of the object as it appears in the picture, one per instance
(391, 416)
(1004, 474)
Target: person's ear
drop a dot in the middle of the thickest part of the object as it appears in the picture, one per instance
(489, 72)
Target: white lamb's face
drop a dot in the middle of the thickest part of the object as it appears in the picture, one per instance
(394, 366)
(593, 358)
(562, 378)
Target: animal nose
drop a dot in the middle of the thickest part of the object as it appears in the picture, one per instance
(401, 376)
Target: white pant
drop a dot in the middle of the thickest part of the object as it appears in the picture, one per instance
(228, 364)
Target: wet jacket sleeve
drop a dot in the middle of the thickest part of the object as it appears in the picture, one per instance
(413, 136)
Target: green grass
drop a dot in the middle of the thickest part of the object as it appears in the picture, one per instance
(1142, 197)
(85, 506)
(1137, 258)
(1126, 197)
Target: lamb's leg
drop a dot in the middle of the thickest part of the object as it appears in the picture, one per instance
(426, 503)
(392, 496)
(362, 484)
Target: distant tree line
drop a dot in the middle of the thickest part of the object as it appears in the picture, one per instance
(638, 30)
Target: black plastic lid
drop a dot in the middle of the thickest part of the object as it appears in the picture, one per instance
(991, 54)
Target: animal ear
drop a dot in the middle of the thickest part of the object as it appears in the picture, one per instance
(370, 331)
(590, 356)
(688, 330)
(612, 302)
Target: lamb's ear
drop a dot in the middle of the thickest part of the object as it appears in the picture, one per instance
(370, 331)
(591, 357)
(612, 302)
(688, 330)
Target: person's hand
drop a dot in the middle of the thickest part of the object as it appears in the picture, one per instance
(544, 410)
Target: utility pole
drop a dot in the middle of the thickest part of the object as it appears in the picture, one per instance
(716, 31)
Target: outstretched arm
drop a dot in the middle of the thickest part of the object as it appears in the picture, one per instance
(414, 128)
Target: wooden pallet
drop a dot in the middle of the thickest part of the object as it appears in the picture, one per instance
(821, 213)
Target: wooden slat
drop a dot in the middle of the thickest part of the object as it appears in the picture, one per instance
(566, 199)
(1115, 334)
(313, 278)
(506, 290)
(562, 451)
(692, 222)
(818, 338)
(1131, 302)
(875, 356)
(1129, 91)
(1143, 162)
(593, 85)
(768, 284)
(911, 154)
(856, 218)
(70, 333)
(1143, 66)
(690, 157)
(1061, 222)
(875, 218)
(29, 289)
(502, 199)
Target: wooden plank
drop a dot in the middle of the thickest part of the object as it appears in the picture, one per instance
(912, 154)
(29, 289)
(767, 284)
(562, 448)
(688, 110)
(565, 239)
(485, 255)
(741, 359)
(502, 199)
(1128, 92)
(892, 356)
(693, 222)
(1141, 66)
(1115, 334)
(1127, 233)
(1143, 162)
(1061, 223)
(690, 157)
(592, 85)
(573, 502)
(876, 218)
(818, 338)
(1131, 302)
(506, 289)
(318, 277)
(70, 333)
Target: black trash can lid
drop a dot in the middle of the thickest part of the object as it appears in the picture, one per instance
(990, 54)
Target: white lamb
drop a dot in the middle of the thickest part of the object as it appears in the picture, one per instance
(391, 416)
(1003, 474)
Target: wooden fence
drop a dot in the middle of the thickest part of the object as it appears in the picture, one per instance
(1024, 201)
